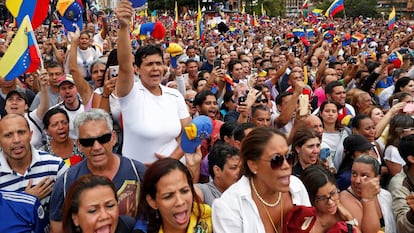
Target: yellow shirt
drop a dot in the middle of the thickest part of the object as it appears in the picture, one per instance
(204, 223)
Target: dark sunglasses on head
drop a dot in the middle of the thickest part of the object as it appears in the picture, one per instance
(278, 160)
(88, 142)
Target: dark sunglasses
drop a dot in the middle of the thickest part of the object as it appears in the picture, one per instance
(263, 101)
(88, 142)
(190, 100)
(278, 160)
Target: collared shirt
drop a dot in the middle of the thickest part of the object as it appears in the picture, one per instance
(42, 165)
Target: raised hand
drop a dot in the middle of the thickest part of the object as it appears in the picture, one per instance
(124, 12)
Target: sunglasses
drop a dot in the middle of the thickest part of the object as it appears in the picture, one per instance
(278, 160)
(190, 101)
(263, 101)
(88, 142)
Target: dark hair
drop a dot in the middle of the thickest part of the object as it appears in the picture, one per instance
(238, 132)
(228, 96)
(195, 84)
(402, 82)
(219, 155)
(53, 64)
(367, 159)
(301, 136)
(51, 112)
(333, 64)
(356, 121)
(400, 96)
(322, 107)
(397, 124)
(227, 129)
(254, 144)
(260, 107)
(232, 63)
(145, 51)
(279, 98)
(112, 60)
(72, 199)
(153, 174)
(201, 97)
(330, 86)
(315, 177)
(406, 148)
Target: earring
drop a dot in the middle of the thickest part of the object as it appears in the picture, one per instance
(157, 216)
(77, 229)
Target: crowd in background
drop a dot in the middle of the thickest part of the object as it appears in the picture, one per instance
(311, 127)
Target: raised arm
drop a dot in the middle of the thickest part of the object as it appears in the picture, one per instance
(84, 88)
(124, 12)
(44, 95)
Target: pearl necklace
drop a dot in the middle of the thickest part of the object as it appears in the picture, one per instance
(262, 200)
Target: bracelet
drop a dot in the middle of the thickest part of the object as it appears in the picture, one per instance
(106, 97)
(364, 200)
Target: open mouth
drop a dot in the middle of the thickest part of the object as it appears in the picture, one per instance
(181, 218)
(104, 229)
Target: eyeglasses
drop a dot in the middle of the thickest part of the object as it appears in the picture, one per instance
(88, 142)
(325, 199)
(190, 100)
(278, 160)
(264, 101)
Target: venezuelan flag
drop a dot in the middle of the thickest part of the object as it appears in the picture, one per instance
(23, 54)
(35, 9)
(200, 34)
(391, 19)
(396, 59)
(336, 6)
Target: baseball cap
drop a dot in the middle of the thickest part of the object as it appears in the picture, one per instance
(20, 93)
(65, 78)
(356, 143)
(300, 219)
(194, 134)
(71, 12)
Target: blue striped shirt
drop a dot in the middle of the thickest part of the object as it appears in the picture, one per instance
(42, 165)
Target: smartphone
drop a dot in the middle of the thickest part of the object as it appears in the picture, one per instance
(113, 71)
(242, 99)
(394, 102)
(303, 105)
(59, 38)
(324, 153)
(217, 62)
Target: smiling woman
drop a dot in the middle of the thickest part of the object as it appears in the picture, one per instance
(91, 205)
(168, 202)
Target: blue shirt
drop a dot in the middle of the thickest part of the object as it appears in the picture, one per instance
(21, 213)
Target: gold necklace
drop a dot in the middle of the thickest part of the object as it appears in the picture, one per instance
(270, 217)
(262, 200)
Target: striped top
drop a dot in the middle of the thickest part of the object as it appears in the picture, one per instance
(21, 213)
(43, 165)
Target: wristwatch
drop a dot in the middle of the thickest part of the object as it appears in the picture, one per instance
(353, 222)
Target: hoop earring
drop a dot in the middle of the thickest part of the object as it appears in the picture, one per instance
(157, 216)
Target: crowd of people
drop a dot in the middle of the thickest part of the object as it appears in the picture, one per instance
(309, 133)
